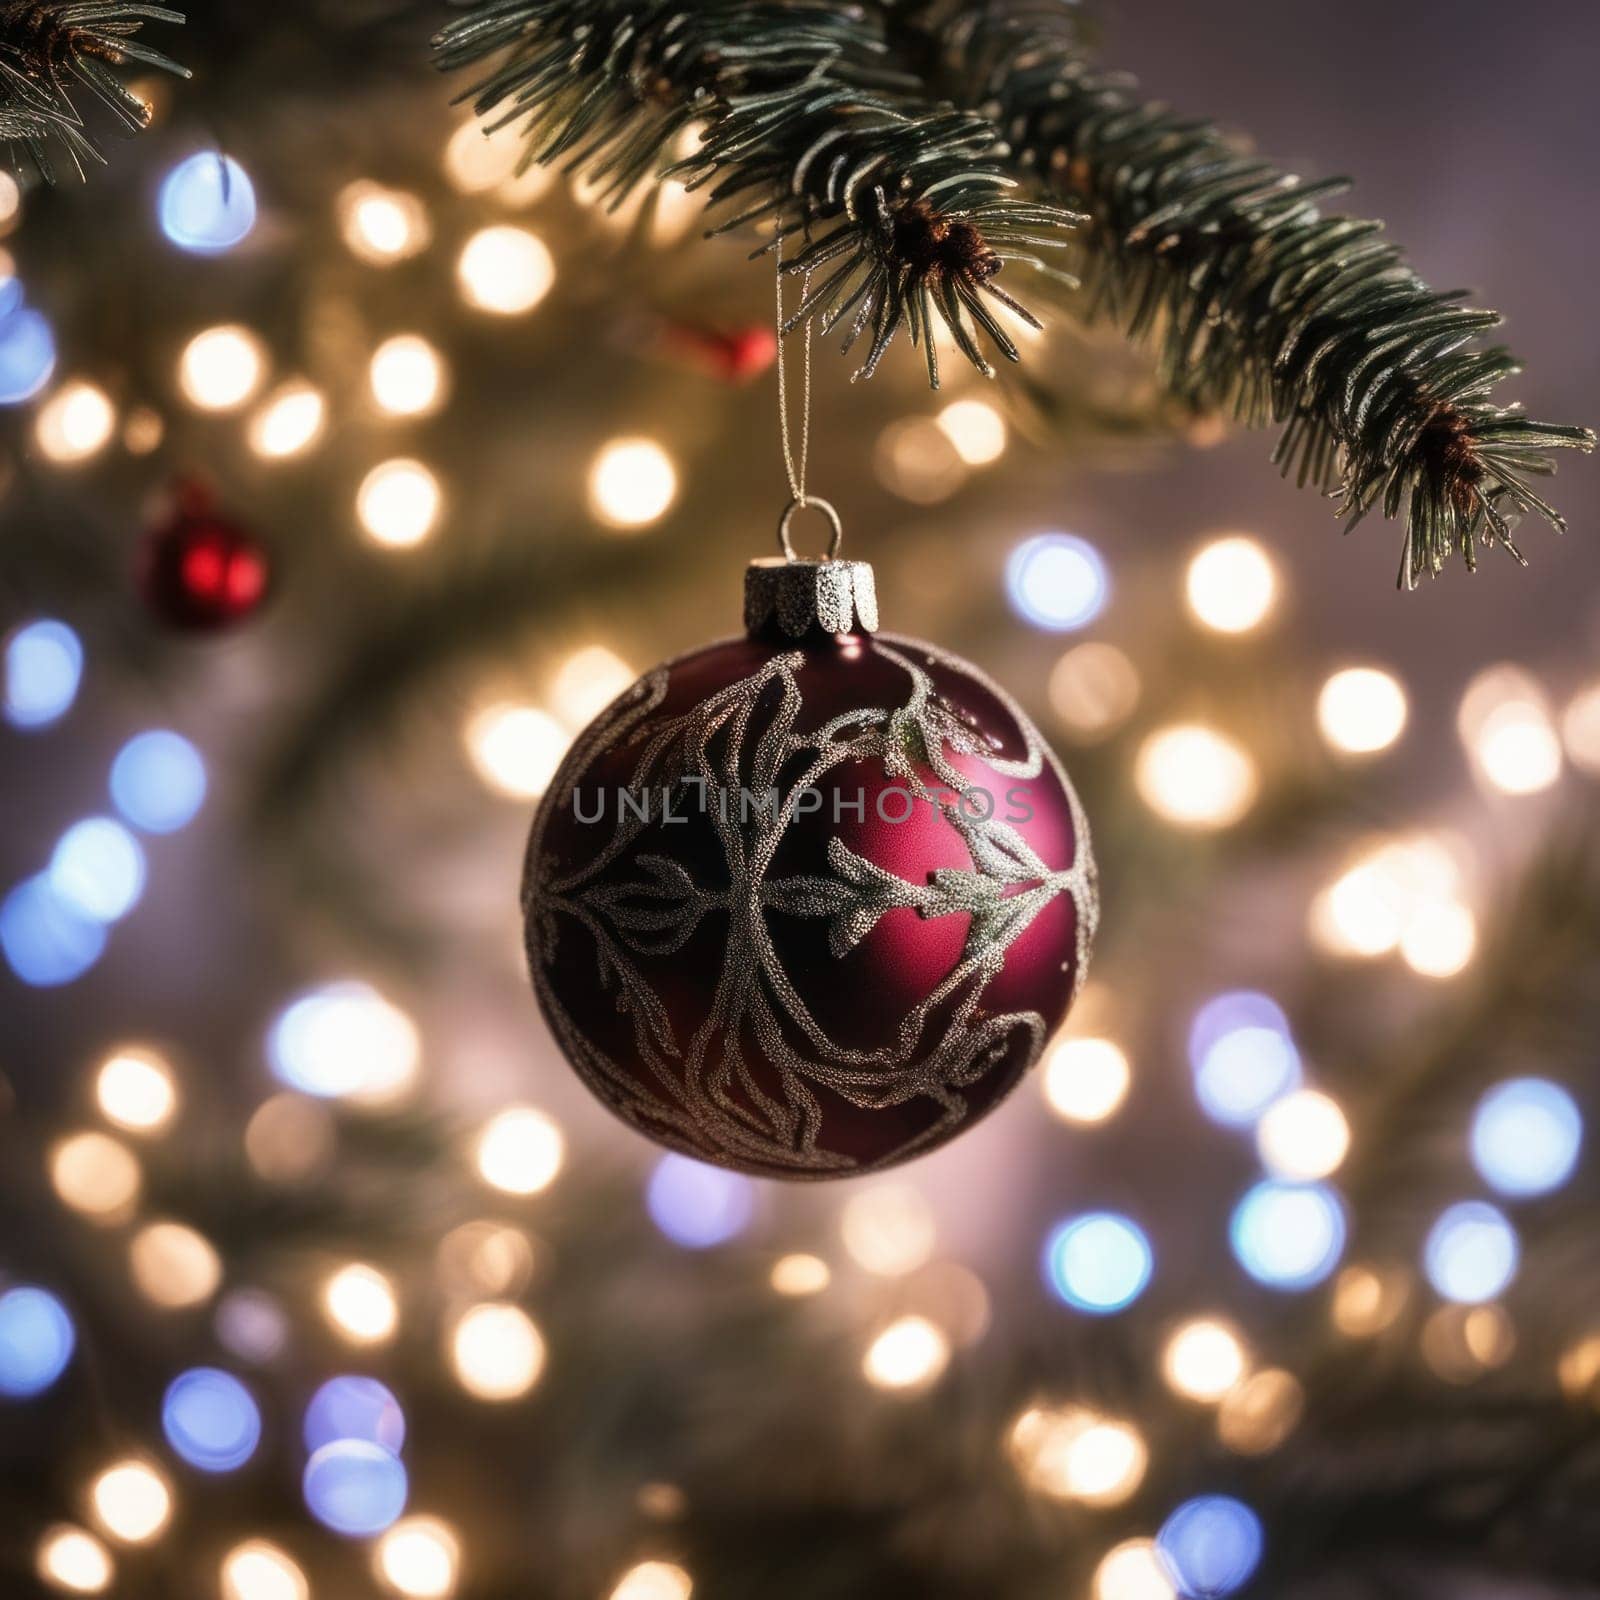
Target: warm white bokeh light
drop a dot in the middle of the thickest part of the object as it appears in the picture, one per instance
(1580, 729)
(1094, 689)
(888, 1229)
(586, 683)
(976, 429)
(1439, 939)
(1504, 721)
(96, 1175)
(1366, 1301)
(221, 368)
(75, 422)
(632, 482)
(407, 376)
(260, 1570)
(1367, 910)
(497, 1352)
(1085, 1080)
(516, 749)
(654, 1580)
(1195, 777)
(1204, 1359)
(398, 503)
(505, 270)
(1261, 1413)
(131, 1501)
(360, 1303)
(174, 1266)
(478, 159)
(800, 1274)
(1361, 710)
(380, 225)
(1231, 584)
(1303, 1136)
(74, 1560)
(418, 1557)
(1073, 1454)
(520, 1150)
(135, 1090)
(1133, 1571)
(909, 1354)
(290, 420)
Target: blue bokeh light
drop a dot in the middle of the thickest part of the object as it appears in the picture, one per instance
(697, 1205)
(1210, 1546)
(355, 1487)
(208, 204)
(98, 869)
(27, 355)
(354, 1407)
(211, 1420)
(1471, 1253)
(1057, 581)
(1526, 1136)
(43, 668)
(1100, 1262)
(47, 940)
(36, 1340)
(1243, 1056)
(158, 781)
(1288, 1235)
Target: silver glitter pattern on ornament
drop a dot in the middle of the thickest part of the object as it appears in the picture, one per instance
(702, 1088)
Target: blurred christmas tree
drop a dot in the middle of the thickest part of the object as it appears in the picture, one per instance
(1286, 1294)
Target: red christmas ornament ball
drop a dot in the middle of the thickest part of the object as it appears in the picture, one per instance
(200, 571)
(810, 902)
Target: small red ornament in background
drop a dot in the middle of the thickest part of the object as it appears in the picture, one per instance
(198, 570)
(734, 355)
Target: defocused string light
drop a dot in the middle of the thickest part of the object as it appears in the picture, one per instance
(1231, 584)
(505, 270)
(1099, 1262)
(354, 1487)
(1526, 1137)
(1242, 1056)
(158, 781)
(586, 683)
(10, 200)
(1366, 1301)
(888, 1229)
(1057, 581)
(289, 422)
(478, 159)
(43, 668)
(381, 226)
(1132, 1571)
(72, 1559)
(1288, 1236)
(654, 1580)
(252, 1325)
(221, 368)
(75, 422)
(1471, 1253)
(210, 1419)
(1578, 1370)
(407, 376)
(260, 1570)
(96, 1176)
(1303, 1136)
(207, 204)
(1461, 1343)
(345, 1040)
(1073, 1454)
(142, 431)
(910, 1353)
(1369, 909)
(131, 1501)
(800, 1274)
(632, 482)
(98, 869)
(46, 940)
(27, 354)
(1439, 939)
(1580, 729)
(1361, 710)
(917, 460)
(1260, 1414)
(486, 1258)
(1085, 1080)
(36, 1340)
(1094, 689)
(352, 1406)
(398, 503)
(134, 1088)
(1195, 777)
(976, 429)
(497, 1352)
(173, 1266)
(1204, 1360)
(290, 1138)
(697, 1205)
(520, 1151)
(1211, 1546)
(360, 1303)
(1504, 721)
(516, 749)
(419, 1557)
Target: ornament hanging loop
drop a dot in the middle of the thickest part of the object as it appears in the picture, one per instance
(816, 503)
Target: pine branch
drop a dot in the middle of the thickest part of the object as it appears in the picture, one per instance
(906, 125)
(50, 48)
